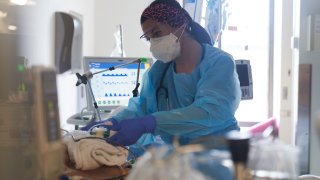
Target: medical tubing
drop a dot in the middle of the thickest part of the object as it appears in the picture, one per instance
(121, 40)
(81, 112)
(138, 74)
(125, 64)
(135, 91)
(96, 125)
(64, 130)
(195, 9)
(94, 100)
(109, 69)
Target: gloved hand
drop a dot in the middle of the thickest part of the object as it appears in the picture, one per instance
(130, 130)
(112, 123)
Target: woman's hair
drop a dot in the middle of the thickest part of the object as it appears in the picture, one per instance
(170, 12)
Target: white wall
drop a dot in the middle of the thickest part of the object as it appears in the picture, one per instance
(38, 26)
(283, 59)
(127, 13)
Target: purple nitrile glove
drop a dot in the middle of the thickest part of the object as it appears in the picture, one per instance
(114, 126)
(130, 130)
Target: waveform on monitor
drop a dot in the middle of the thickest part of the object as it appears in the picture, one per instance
(116, 95)
(116, 83)
(115, 75)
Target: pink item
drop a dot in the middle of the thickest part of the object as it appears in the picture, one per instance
(261, 126)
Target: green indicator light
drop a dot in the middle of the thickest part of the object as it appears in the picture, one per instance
(50, 105)
(20, 68)
(22, 87)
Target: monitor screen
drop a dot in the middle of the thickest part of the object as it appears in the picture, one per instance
(243, 68)
(113, 88)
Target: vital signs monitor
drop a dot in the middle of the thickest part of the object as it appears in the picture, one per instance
(113, 88)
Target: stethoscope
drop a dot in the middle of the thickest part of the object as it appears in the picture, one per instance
(162, 91)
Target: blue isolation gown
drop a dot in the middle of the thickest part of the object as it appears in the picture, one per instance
(189, 105)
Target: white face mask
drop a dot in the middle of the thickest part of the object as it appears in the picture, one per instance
(166, 48)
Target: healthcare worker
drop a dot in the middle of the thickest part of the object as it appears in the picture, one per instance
(192, 90)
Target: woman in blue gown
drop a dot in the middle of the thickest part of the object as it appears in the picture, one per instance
(192, 90)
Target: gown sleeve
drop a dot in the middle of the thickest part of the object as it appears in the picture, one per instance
(144, 104)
